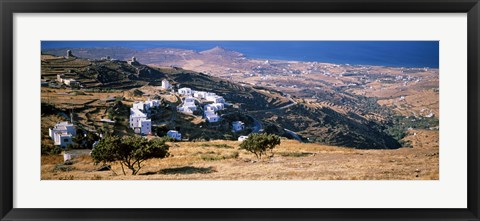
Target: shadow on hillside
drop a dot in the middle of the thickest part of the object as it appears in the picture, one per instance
(183, 170)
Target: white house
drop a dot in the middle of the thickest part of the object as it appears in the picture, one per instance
(60, 78)
(133, 61)
(63, 127)
(209, 107)
(189, 100)
(214, 107)
(145, 127)
(62, 139)
(152, 103)
(138, 117)
(145, 106)
(237, 126)
(188, 105)
(211, 116)
(187, 109)
(139, 122)
(139, 105)
(62, 134)
(67, 157)
(200, 94)
(242, 138)
(165, 84)
(174, 134)
(215, 99)
(70, 82)
(185, 91)
(210, 94)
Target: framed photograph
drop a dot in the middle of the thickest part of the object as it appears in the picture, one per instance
(231, 110)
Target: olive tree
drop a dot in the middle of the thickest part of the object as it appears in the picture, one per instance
(130, 151)
(259, 144)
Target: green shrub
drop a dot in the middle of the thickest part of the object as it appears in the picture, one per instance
(131, 151)
(259, 144)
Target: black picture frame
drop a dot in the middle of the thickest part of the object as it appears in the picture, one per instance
(9, 7)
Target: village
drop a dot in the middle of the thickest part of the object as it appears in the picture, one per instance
(203, 104)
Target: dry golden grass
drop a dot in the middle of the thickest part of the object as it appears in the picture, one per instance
(222, 160)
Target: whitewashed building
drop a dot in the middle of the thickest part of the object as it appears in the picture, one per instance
(188, 105)
(200, 94)
(60, 78)
(145, 127)
(185, 91)
(237, 126)
(70, 82)
(187, 109)
(211, 117)
(214, 107)
(145, 106)
(242, 138)
(138, 116)
(62, 134)
(139, 105)
(139, 122)
(215, 99)
(189, 100)
(210, 94)
(152, 103)
(133, 61)
(174, 134)
(165, 84)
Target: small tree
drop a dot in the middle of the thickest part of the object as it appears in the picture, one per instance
(106, 150)
(259, 144)
(131, 151)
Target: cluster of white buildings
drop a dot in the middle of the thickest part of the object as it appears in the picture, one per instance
(208, 96)
(139, 112)
(139, 121)
(62, 134)
(189, 105)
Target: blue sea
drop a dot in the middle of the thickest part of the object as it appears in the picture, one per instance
(386, 53)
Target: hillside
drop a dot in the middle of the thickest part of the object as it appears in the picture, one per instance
(406, 91)
(276, 110)
(325, 125)
(222, 160)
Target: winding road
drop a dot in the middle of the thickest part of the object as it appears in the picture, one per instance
(258, 124)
